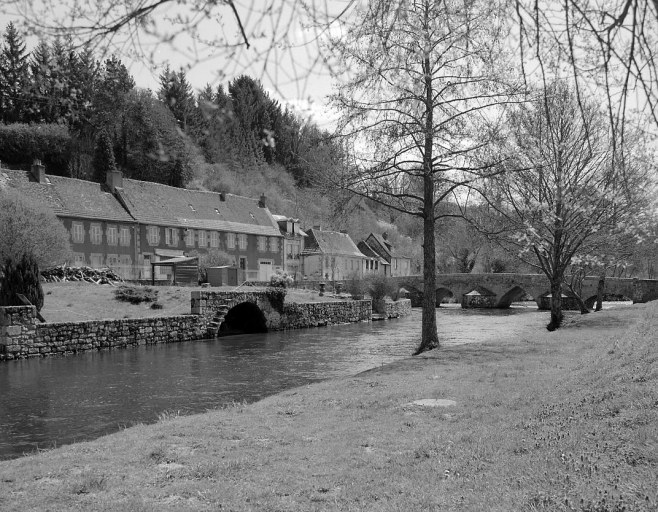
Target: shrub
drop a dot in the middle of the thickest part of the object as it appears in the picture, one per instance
(276, 296)
(136, 294)
(379, 287)
(281, 280)
(51, 143)
(355, 286)
(28, 227)
(21, 277)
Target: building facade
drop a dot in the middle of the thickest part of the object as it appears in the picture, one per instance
(331, 255)
(293, 245)
(128, 224)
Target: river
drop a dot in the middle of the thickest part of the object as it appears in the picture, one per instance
(48, 402)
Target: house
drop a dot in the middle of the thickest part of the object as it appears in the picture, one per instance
(129, 224)
(374, 264)
(174, 222)
(293, 245)
(102, 232)
(396, 264)
(331, 255)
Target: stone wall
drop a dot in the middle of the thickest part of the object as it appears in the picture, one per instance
(398, 308)
(72, 337)
(314, 314)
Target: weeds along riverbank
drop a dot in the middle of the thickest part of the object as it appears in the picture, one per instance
(563, 421)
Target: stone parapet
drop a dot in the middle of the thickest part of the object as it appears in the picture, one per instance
(314, 314)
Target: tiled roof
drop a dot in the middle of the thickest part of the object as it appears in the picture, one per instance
(68, 197)
(153, 203)
(332, 242)
(370, 252)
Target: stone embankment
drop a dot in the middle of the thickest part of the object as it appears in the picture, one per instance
(21, 336)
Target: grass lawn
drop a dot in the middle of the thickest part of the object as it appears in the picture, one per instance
(77, 302)
(563, 421)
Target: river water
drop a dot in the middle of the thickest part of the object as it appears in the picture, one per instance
(59, 400)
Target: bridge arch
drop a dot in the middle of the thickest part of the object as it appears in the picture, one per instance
(442, 293)
(510, 296)
(244, 318)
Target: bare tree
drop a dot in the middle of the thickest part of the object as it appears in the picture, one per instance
(606, 46)
(421, 79)
(572, 196)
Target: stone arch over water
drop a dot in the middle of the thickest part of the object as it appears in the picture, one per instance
(442, 293)
(245, 318)
(512, 295)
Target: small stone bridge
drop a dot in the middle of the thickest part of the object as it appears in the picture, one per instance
(234, 312)
(503, 289)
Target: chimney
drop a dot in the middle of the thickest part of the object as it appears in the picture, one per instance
(38, 171)
(222, 196)
(114, 180)
(261, 202)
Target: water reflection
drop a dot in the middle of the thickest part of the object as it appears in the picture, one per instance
(54, 401)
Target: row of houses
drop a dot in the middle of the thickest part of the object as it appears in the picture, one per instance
(134, 226)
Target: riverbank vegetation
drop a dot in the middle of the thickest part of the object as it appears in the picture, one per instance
(542, 421)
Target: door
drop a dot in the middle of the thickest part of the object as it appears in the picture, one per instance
(265, 270)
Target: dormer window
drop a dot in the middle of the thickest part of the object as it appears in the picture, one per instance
(191, 207)
(217, 211)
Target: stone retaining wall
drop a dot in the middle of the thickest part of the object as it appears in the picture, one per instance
(398, 308)
(71, 337)
(22, 336)
(314, 314)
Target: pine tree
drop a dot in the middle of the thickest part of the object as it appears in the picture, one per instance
(41, 85)
(175, 92)
(104, 161)
(14, 76)
(21, 277)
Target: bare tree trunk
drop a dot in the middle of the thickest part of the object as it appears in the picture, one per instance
(429, 335)
(599, 293)
(556, 305)
(577, 294)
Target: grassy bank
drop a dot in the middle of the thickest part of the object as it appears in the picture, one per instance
(559, 421)
(78, 302)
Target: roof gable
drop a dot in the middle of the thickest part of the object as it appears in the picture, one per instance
(333, 242)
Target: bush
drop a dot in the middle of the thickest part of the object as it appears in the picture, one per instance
(136, 294)
(379, 287)
(355, 286)
(21, 277)
(28, 227)
(20, 144)
(281, 280)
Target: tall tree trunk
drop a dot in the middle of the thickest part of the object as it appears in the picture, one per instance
(556, 304)
(599, 293)
(429, 335)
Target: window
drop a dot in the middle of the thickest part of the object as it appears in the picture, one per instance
(203, 239)
(214, 239)
(112, 234)
(78, 232)
(230, 240)
(274, 244)
(124, 236)
(171, 237)
(153, 235)
(112, 260)
(79, 259)
(96, 234)
(262, 244)
(243, 263)
(242, 241)
(189, 237)
(96, 260)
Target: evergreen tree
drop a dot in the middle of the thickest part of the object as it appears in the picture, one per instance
(21, 277)
(175, 92)
(41, 85)
(104, 161)
(13, 76)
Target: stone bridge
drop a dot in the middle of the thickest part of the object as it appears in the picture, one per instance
(233, 312)
(500, 290)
